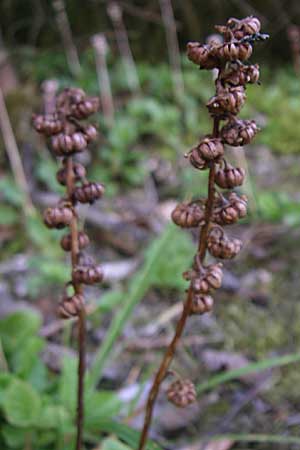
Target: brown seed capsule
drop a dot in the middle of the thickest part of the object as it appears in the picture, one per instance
(79, 173)
(252, 72)
(230, 100)
(47, 124)
(201, 55)
(234, 209)
(233, 51)
(230, 177)
(239, 132)
(240, 75)
(244, 27)
(58, 217)
(214, 275)
(66, 241)
(196, 159)
(90, 133)
(64, 144)
(188, 215)
(201, 304)
(211, 149)
(210, 278)
(71, 306)
(182, 393)
(89, 192)
(220, 246)
(87, 274)
(84, 109)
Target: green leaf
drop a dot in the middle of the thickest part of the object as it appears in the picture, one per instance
(21, 404)
(99, 406)
(17, 327)
(5, 380)
(54, 416)
(68, 384)
(247, 370)
(24, 359)
(14, 437)
(127, 434)
(10, 191)
(8, 215)
(138, 288)
(113, 444)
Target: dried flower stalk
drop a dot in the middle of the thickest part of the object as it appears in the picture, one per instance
(68, 136)
(218, 210)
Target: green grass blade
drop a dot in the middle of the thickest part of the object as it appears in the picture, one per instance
(248, 370)
(258, 438)
(139, 287)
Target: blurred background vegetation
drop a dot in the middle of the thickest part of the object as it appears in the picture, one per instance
(244, 356)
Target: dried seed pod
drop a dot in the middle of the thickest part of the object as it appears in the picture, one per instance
(88, 192)
(65, 144)
(58, 216)
(48, 124)
(244, 27)
(85, 108)
(87, 274)
(182, 393)
(91, 133)
(233, 51)
(211, 149)
(71, 306)
(76, 95)
(210, 278)
(67, 97)
(79, 173)
(230, 177)
(188, 215)
(230, 100)
(234, 209)
(201, 55)
(239, 132)
(196, 159)
(201, 304)
(220, 246)
(66, 241)
(214, 275)
(239, 75)
(252, 73)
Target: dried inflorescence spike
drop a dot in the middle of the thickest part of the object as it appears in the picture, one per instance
(68, 137)
(182, 393)
(227, 56)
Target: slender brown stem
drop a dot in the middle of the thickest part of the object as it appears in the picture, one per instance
(170, 352)
(81, 317)
(81, 372)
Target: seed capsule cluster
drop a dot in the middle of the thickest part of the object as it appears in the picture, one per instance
(228, 57)
(68, 136)
(182, 393)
